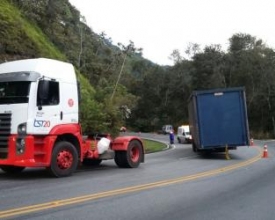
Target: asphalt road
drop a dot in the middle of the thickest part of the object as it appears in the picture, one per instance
(173, 184)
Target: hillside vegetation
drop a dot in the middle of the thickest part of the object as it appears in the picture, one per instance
(120, 87)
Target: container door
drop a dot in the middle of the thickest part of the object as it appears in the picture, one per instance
(222, 119)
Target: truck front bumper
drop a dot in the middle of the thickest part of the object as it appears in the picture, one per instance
(26, 152)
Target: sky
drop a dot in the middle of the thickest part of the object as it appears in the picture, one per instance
(161, 26)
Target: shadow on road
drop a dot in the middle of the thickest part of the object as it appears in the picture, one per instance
(42, 173)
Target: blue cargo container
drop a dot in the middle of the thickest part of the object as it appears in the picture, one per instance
(218, 119)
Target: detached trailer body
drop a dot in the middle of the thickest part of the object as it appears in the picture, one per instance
(218, 119)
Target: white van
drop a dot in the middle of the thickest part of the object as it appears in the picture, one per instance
(183, 134)
(166, 129)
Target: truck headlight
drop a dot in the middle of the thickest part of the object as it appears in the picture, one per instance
(20, 145)
(22, 129)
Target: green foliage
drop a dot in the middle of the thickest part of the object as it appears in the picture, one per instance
(208, 69)
(119, 87)
(15, 30)
(53, 29)
(92, 114)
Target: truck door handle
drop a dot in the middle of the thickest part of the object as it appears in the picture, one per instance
(61, 115)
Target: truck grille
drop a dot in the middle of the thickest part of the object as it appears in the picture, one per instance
(5, 130)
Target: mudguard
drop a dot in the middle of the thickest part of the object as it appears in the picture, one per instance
(122, 143)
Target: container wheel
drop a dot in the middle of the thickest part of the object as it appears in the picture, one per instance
(91, 162)
(64, 159)
(194, 147)
(130, 158)
(11, 169)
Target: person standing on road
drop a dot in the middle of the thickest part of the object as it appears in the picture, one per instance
(171, 137)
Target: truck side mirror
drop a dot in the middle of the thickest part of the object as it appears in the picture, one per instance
(43, 89)
(42, 93)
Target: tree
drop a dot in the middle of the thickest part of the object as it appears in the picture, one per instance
(126, 51)
(208, 71)
(241, 42)
(176, 56)
(251, 65)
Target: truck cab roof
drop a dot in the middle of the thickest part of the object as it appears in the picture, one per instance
(45, 67)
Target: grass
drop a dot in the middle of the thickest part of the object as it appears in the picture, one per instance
(153, 146)
(24, 38)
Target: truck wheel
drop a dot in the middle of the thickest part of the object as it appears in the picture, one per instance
(64, 159)
(12, 169)
(130, 158)
(91, 162)
(194, 147)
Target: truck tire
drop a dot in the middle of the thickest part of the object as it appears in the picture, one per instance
(130, 158)
(64, 159)
(91, 162)
(194, 147)
(11, 169)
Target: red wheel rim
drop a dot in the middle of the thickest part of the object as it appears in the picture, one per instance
(134, 154)
(64, 159)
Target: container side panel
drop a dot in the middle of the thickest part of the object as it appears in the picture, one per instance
(193, 120)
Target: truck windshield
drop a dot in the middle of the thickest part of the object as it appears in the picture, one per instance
(14, 92)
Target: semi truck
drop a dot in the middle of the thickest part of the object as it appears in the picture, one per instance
(218, 119)
(39, 122)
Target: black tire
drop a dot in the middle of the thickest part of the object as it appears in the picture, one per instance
(11, 169)
(91, 162)
(64, 159)
(194, 147)
(130, 158)
(179, 141)
(120, 158)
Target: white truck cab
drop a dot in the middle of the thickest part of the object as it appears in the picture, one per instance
(38, 112)
(39, 122)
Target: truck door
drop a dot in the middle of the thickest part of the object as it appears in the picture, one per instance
(49, 112)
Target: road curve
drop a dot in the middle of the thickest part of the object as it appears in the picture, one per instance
(168, 183)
